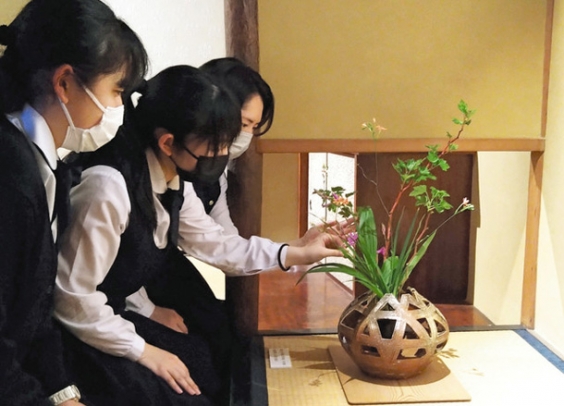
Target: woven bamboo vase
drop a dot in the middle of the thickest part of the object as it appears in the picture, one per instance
(390, 338)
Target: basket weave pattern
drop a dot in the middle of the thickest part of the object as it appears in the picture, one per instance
(392, 339)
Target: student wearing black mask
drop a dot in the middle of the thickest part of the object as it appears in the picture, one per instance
(124, 234)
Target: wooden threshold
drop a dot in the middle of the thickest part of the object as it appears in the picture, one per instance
(463, 315)
(355, 146)
(315, 305)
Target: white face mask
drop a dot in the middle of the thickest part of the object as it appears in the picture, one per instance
(240, 145)
(90, 139)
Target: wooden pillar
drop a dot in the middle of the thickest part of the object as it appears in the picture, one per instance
(529, 295)
(245, 183)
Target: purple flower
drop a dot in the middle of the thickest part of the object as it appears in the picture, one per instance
(382, 251)
(352, 238)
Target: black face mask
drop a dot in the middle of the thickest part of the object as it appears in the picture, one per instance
(208, 169)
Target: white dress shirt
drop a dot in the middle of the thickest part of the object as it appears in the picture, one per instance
(100, 215)
(220, 211)
(139, 301)
(34, 126)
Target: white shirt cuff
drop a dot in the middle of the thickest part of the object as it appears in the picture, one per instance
(136, 349)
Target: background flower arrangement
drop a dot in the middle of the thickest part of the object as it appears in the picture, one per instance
(381, 258)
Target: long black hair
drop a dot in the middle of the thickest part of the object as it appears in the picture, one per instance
(181, 100)
(46, 34)
(185, 102)
(243, 82)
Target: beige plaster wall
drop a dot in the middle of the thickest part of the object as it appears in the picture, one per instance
(335, 64)
(9, 9)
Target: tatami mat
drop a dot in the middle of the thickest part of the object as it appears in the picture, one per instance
(496, 368)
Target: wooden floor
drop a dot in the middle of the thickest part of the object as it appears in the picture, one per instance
(315, 304)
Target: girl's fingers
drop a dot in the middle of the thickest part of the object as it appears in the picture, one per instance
(188, 384)
(172, 383)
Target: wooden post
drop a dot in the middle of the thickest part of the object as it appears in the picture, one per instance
(245, 186)
(528, 300)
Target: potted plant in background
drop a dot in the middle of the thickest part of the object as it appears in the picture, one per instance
(392, 331)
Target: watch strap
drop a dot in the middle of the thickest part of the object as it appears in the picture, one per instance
(68, 393)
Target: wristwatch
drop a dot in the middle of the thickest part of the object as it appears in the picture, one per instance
(69, 393)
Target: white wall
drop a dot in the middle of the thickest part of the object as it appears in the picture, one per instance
(500, 237)
(550, 289)
(177, 32)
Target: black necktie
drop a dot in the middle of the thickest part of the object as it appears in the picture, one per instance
(172, 201)
(66, 178)
(208, 194)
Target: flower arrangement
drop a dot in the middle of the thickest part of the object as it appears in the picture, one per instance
(380, 259)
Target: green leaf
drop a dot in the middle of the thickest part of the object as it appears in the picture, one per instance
(463, 107)
(367, 242)
(433, 156)
(389, 268)
(418, 190)
(443, 164)
(342, 268)
(457, 121)
(406, 249)
(417, 257)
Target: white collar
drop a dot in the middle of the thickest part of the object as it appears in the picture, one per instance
(158, 181)
(34, 126)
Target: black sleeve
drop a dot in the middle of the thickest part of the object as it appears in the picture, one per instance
(21, 263)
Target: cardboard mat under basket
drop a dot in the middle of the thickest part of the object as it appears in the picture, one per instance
(499, 367)
(435, 384)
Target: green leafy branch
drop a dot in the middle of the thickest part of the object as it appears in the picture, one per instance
(386, 269)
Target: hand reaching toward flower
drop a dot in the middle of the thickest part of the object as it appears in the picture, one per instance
(334, 228)
(317, 246)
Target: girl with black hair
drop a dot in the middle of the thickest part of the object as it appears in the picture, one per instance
(254, 98)
(256, 101)
(63, 68)
(126, 231)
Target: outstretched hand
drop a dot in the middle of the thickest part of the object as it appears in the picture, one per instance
(334, 228)
(170, 368)
(317, 246)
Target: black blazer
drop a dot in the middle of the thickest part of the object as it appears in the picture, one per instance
(31, 365)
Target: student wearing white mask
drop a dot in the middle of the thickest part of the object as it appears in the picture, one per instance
(90, 139)
(256, 100)
(63, 67)
(133, 213)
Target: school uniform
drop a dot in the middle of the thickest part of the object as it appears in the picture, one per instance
(214, 200)
(31, 363)
(111, 251)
